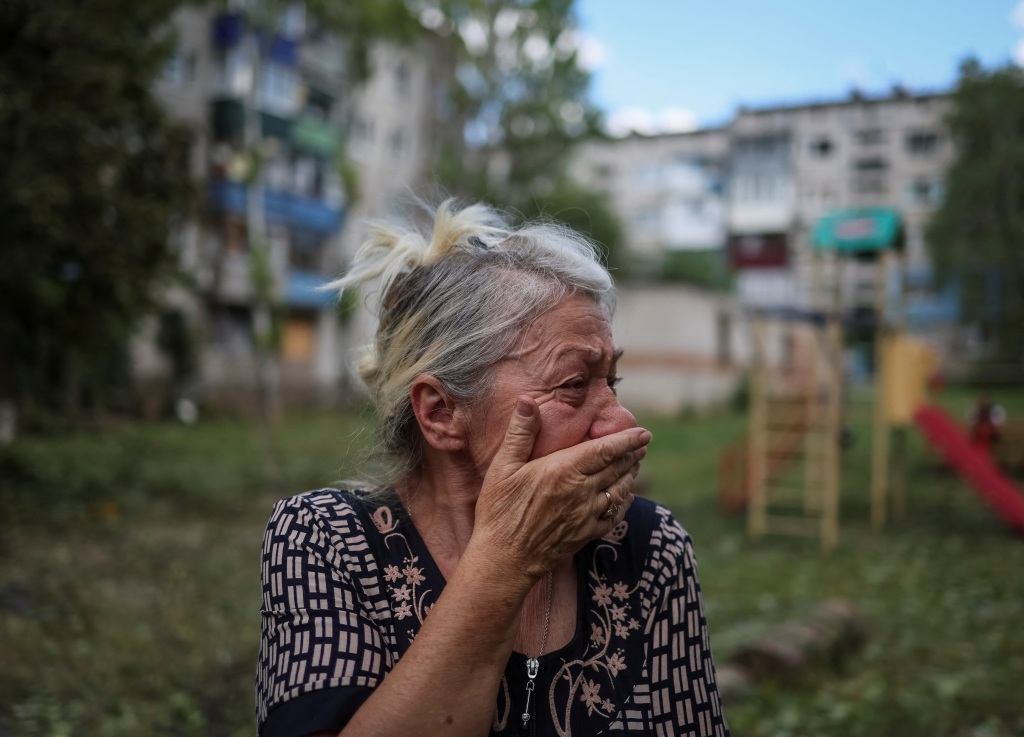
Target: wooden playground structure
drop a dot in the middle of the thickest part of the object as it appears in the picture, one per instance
(787, 471)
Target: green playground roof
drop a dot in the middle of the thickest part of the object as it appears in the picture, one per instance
(858, 230)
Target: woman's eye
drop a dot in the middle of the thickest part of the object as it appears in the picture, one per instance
(613, 381)
(575, 385)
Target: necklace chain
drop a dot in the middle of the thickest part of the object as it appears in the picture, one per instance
(533, 664)
(547, 616)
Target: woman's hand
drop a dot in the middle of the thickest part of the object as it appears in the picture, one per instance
(536, 513)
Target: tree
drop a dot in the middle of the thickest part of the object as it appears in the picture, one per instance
(977, 235)
(517, 101)
(585, 212)
(92, 179)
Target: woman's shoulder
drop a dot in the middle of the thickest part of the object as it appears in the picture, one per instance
(656, 545)
(656, 524)
(327, 503)
(334, 512)
(330, 502)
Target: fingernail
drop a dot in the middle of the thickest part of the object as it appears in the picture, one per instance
(645, 436)
(524, 408)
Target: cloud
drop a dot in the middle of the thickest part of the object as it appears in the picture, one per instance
(1017, 15)
(1017, 18)
(856, 74)
(624, 121)
(592, 52)
(677, 120)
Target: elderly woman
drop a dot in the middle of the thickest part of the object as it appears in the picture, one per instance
(502, 578)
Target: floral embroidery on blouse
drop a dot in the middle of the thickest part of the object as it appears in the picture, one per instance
(605, 656)
(403, 584)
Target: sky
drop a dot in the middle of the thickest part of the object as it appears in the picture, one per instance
(664, 65)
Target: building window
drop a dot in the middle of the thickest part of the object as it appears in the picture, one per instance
(232, 331)
(925, 191)
(646, 221)
(293, 22)
(278, 174)
(761, 146)
(318, 106)
(403, 80)
(870, 184)
(759, 188)
(362, 130)
(298, 342)
(180, 69)
(234, 73)
(723, 335)
(872, 164)
(397, 144)
(870, 136)
(922, 142)
(647, 175)
(235, 238)
(821, 147)
(279, 89)
(306, 252)
(304, 173)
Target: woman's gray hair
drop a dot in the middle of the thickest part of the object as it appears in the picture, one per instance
(454, 298)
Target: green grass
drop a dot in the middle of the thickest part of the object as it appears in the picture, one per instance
(129, 581)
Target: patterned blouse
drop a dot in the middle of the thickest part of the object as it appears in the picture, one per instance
(347, 583)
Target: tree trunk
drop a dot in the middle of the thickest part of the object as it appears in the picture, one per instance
(825, 639)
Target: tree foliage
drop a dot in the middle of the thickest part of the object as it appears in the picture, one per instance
(977, 234)
(518, 96)
(361, 23)
(584, 211)
(517, 105)
(92, 176)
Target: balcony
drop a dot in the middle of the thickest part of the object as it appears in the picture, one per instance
(315, 137)
(228, 29)
(229, 121)
(324, 58)
(301, 290)
(278, 207)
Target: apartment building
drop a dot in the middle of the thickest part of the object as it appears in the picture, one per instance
(668, 190)
(760, 207)
(682, 346)
(779, 169)
(291, 156)
(754, 189)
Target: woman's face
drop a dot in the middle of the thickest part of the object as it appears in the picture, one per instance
(566, 361)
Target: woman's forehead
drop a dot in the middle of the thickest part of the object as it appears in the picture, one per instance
(576, 326)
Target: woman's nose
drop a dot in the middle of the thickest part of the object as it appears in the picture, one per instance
(611, 417)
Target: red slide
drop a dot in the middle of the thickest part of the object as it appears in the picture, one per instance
(974, 466)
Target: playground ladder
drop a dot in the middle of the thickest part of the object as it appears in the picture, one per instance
(794, 430)
(797, 410)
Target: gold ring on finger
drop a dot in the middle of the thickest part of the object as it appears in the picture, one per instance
(608, 513)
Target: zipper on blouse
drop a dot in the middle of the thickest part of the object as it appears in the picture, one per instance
(529, 722)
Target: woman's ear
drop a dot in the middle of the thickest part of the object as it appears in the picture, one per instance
(435, 412)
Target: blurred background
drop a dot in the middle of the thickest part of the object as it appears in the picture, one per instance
(812, 212)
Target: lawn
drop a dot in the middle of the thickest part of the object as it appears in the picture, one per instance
(129, 581)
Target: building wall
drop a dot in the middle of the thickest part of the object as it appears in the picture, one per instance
(890, 152)
(684, 348)
(666, 190)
